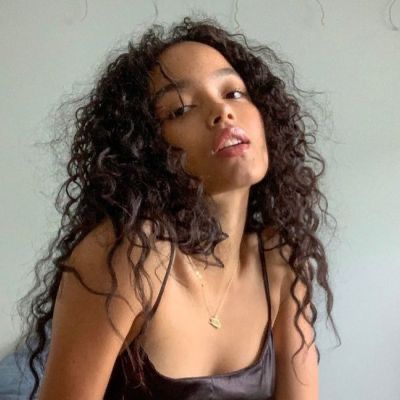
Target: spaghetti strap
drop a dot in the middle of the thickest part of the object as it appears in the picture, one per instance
(171, 262)
(265, 277)
(256, 381)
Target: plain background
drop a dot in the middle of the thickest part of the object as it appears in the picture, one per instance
(347, 50)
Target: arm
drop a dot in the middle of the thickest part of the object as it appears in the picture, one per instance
(287, 341)
(84, 346)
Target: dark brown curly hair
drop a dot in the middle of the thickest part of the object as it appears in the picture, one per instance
(121, 169)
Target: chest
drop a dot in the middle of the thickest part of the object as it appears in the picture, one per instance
(180, 342)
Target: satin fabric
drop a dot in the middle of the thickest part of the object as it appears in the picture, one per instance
(255, 382)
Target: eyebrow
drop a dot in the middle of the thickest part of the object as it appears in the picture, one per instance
(185, 83)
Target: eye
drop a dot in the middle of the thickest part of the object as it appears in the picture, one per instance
(243, 93)
(179, 112)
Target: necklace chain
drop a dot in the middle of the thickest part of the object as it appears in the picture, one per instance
(214, 320)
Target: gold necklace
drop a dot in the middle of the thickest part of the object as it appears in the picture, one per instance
(213, 320)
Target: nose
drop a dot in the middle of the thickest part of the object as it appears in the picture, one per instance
(220, 112)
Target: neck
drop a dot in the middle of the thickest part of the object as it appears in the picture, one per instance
(230, 209)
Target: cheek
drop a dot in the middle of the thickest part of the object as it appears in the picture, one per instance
(168, 134)
(185, 136)
(257, 128)
(258, 132)
(176, 136)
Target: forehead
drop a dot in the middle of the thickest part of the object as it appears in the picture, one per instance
(187, 60)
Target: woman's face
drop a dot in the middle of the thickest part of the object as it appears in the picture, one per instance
(212, 101)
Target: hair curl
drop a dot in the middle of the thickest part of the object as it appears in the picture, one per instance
(121, 169)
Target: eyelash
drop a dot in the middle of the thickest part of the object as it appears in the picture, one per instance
(170, 115)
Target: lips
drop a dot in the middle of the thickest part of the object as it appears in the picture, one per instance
(230, 132)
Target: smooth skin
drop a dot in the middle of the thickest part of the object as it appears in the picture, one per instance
(84, 347)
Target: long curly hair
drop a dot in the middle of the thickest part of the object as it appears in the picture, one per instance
(122, 170)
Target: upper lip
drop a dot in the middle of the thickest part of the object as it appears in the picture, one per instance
(226, 133)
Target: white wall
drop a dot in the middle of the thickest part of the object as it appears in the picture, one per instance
(51, 48)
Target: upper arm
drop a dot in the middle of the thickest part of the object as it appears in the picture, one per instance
(287, 341)
(84, 345)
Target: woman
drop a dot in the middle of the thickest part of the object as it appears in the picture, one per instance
(184, 267)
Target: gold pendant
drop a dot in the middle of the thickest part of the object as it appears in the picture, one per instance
(215, 322)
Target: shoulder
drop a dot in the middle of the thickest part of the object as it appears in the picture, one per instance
(276, 255)
(82, 319)
(92, 279)
(287, 340)
(90, 256)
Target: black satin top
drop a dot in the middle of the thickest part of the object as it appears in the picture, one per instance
(255, 382)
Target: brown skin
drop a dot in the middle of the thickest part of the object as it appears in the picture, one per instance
(211, 103)
(84, 346)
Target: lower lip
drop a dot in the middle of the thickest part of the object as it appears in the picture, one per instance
(233, 151)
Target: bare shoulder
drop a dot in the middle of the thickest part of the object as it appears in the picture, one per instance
(86, 335)
(278, 267)
(287, 340)
(90, 257)
(279, 271)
